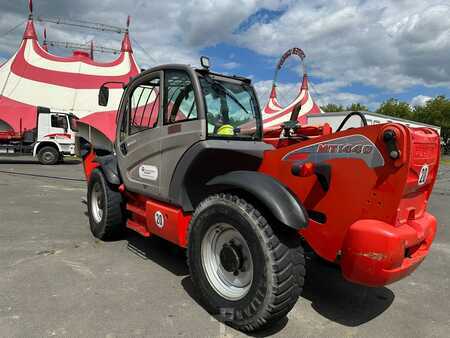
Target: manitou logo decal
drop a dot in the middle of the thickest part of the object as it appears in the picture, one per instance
(345, 148)
(148, 172)
(348, 147)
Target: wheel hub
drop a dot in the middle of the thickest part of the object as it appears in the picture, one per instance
(227, 261)
(231, 258)
(48, 156)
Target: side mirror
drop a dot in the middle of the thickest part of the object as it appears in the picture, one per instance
(103, 96)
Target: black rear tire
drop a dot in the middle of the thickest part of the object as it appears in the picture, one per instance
(48, 155)
(278, 264)
(104, 208)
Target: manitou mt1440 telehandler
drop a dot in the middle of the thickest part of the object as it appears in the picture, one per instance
(192, 164)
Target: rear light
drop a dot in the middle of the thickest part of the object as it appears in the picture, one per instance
(389, 138)
(394, 138)
(303, 170)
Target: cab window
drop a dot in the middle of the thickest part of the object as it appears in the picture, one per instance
(232, 110)
(59, 121)
(143, 107)
(179, 101)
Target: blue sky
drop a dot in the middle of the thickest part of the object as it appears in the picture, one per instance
(356, 50)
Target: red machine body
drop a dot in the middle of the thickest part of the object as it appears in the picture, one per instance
(371, 219)
(374, 221)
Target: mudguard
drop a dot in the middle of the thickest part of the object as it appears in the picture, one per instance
(109, 167)
(283, 205)
(100, 158)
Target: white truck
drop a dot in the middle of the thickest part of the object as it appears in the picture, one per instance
(51, 139)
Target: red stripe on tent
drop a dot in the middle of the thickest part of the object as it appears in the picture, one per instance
(269, 110)
(71, 80)
(315, 109)
(105, 122)
(45, 55)
(12, 111)
(287, 111)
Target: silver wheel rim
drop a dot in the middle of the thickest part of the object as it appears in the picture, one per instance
(97, 202)
(230, 285)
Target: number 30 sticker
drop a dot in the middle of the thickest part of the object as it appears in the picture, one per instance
(159, 219)
(423, 174)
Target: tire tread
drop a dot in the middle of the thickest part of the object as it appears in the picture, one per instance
(285, 254)
(113, 224)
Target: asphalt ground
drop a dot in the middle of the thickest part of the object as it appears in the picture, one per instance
(57, 280)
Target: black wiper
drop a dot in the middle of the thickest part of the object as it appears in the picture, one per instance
(227, 93)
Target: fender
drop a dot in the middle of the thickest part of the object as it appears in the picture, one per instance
(100, 158)
(109, 167)
(283, 205)
(36, 146)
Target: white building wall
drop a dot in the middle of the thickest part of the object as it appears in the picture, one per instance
(335, 119)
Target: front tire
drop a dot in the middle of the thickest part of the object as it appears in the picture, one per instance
(48, 155)
(104, 208)
(244, 272)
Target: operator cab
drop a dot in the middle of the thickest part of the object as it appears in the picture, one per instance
(229, 104)
(169, 112)
(232, 110)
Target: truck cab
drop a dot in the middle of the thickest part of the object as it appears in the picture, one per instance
(55, 135)
(50, 140)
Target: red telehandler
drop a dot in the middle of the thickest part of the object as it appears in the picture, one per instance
(192, 165)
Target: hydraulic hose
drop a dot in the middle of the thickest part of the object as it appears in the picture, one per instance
(361, 115)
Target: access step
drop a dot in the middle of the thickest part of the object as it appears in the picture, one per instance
(138, 228)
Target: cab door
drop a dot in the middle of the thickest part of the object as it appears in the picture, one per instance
(138, 138)
(183, 124)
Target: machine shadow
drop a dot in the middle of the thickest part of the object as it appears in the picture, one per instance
(340, 301)
(329, 293)
(35, 162)
(173, 259)
(266, 332)
(165, 254)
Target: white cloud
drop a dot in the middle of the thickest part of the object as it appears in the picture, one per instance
(230, 65)
(263, 90)
(420, 100)
(322, 94)
(343, 98)
(286, 92)
(388, 44)
(170, 31)
(392, 45)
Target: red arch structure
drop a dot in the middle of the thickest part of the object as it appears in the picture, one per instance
(34, 77)
(274, 114)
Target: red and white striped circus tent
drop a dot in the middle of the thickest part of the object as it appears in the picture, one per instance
(274, 114)
(33, 77)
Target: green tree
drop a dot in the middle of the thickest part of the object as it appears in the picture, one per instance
(357, 107)
(331, 107)
(437, 112)
(394, 107)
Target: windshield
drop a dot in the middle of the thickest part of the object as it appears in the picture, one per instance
(231, 109)
(73, 123)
